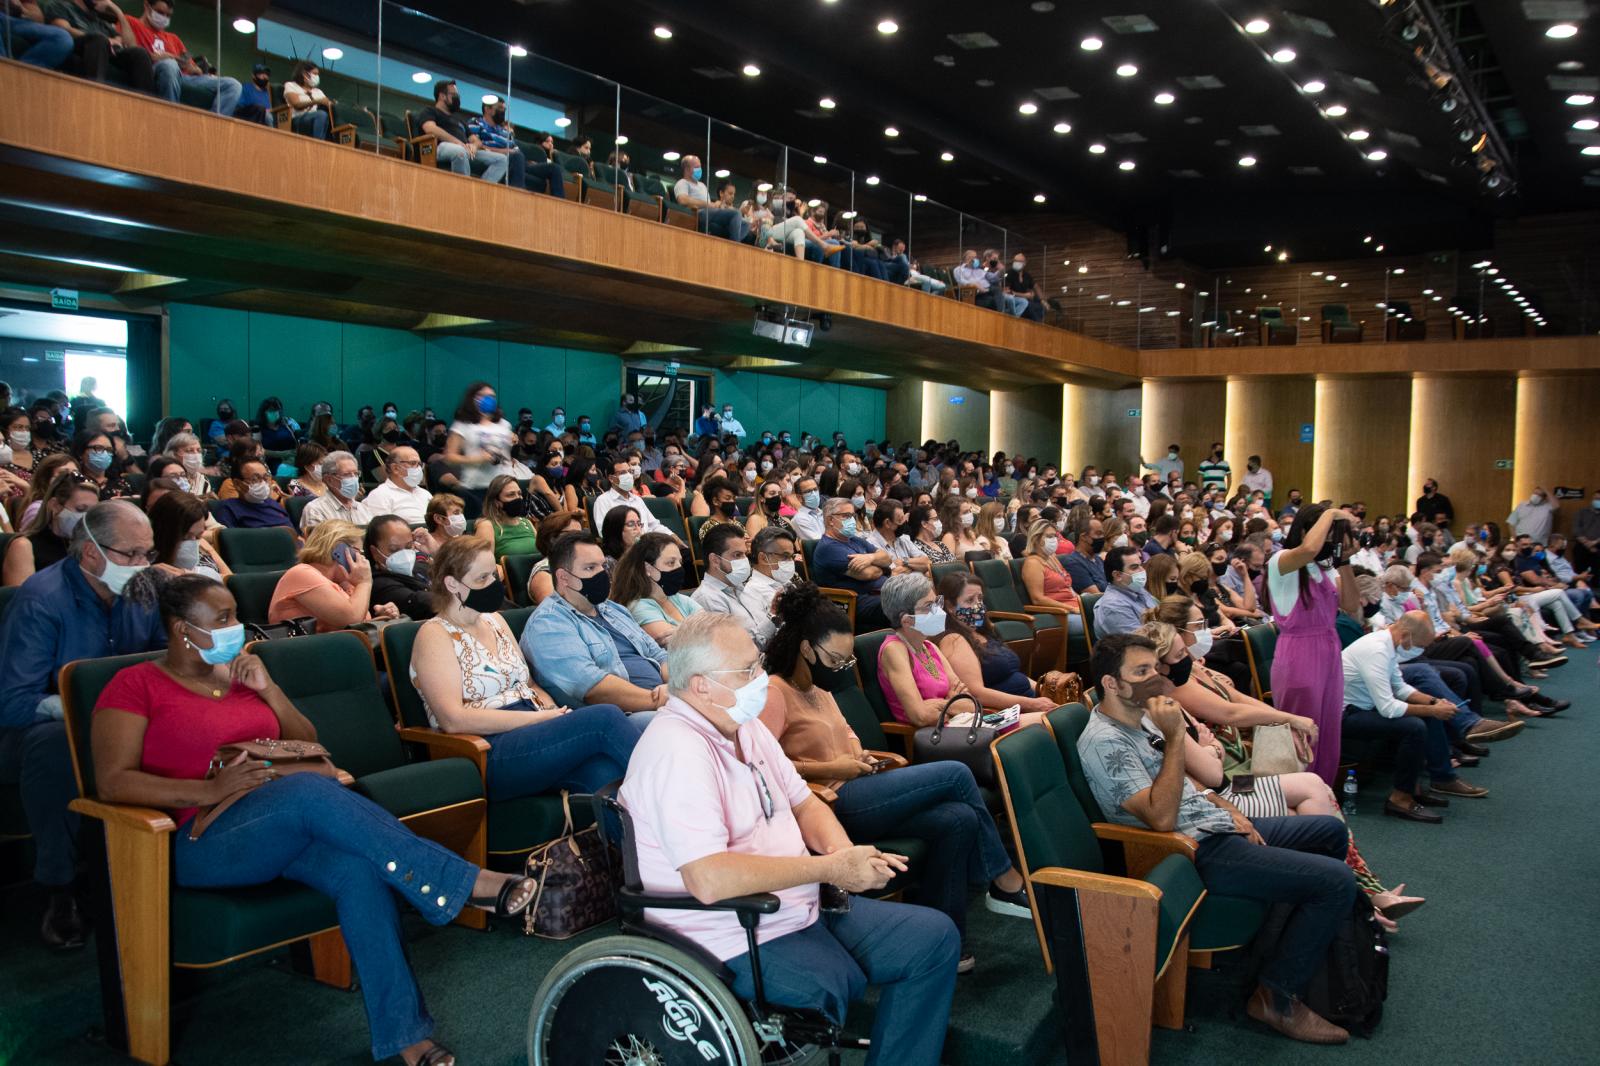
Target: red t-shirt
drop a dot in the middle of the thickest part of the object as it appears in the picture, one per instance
(162, 42)
(184, 729)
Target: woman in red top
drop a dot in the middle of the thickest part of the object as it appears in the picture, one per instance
(155, 729)
(1045, 576)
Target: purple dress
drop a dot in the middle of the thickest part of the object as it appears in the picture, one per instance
(1307, 670)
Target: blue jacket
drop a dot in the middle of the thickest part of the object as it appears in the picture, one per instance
(571, 653)
(54, 618)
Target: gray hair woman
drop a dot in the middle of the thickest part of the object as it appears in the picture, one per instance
(916, 679)
(187, 450)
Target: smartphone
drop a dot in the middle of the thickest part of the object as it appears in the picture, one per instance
(344, 555)
(880, 765)
(1243, 785)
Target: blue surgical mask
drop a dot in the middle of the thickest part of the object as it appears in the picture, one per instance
(848, 526)
(1407, 654)
(749, 699)
(349, 487)
(1137, 579)
(226, 643)
(812, 498)
(697, 173)
(100, 460)
(488, 405)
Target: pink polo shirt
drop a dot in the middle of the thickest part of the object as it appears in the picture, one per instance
(691, 796)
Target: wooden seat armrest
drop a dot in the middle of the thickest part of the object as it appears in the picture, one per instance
(1047, 608)
(1142, 849)
(896, 762)
(142, 819)
(1013, 616)
(344, 777)
(442, 745)
(839, 595)
(1061, 877)
(898, 729)
(822, 792)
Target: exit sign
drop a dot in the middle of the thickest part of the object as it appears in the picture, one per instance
(1502, 464)
(1133, 412)
(958, 400)
(64, 299)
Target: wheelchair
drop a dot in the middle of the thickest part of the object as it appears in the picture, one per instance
(650, 997)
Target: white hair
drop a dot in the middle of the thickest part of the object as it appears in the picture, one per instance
(180, 440)
(694, 648)
(330, 464)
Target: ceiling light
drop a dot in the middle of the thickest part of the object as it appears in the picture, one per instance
(1127, 70)
(1038, 197)
(421, 77)
(1126, 164)
(1283, 257)
(622, 138)
(1091, 44)
(813, 202)
(1337, 111)
(1344, 284)
(1359, 135)
(1561, 31)
(1377, 155)
(872, 179)
(1180, 285)
(1313, 87)
(1593, 149)
(1250, 161)
(1268, 248)
(1569, 64)
(1084, 269)
(721, 173)
(921, 198)
(1368, 240)
(1398, 270)
(946, 157)
(888, 26)
(1097, 149)
(244, 25)
(333, 55)
(1283, 55)
(765, 186)
(1257, 26)
(752, 71)
(890, 131)
(826, 103)
(490, 98)
(1165, 98)
(563, 122)
(517, 52)
(663, 32)
(671, 157)
(819, 160)
(1492, 271)
(1480, 264)
(1332, 277)
(1586, 124)
(1028, 107)
(1379, 248)
(1576, 99)
(1062, 127)
(1124, 303)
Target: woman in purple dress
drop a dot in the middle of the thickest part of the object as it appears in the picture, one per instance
(1307, 583)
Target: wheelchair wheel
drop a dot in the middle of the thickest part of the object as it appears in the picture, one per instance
(630, 1001)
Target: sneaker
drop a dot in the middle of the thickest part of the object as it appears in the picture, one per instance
(968, 962)
(1545, 661)
(1012, 903)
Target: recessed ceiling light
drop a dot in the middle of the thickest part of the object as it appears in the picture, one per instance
(827, 103)
(765, 186)
(1580, 99)
(1377, 155)
(1127, 70)
(1569, 64)
(1028, 107)
(1126, 164)
(946, 157)
(1062, 127)
(1083, 269)
(888, 26)
(663, 32)
(1250, 161)
(1593, 149)
(516, 51)
(1180, 285)
(1314, 87)
(752, 71)
(563, 122)
(490, 98)
(671, 157)
(622, 138)
(890, 131)
(920, 198)
(1257, 26)
(1091, 44)
(1164, 98)
(421, 77)
(1038, 197)
(1331, 277)
(333, 55)
(721, 173)
(1337, 111)
(1379, 248)
(1561, 31)
(813, 202)
(1097, 149)
(1283, 55)
(1359, 135)
(244, 25)
(1586, 124)
(819, 160)
(872, 179)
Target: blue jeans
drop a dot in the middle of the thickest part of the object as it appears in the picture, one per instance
(909, 952)
(723, 222)
(545, 177)
(516, 168)
(939, 803)
(1445, 681)
(310, 829)
(37, 760)
(1582, 599)
(1302, 863)
(490, 166)
(896, 270)
(1419, 743)
(32, 42)
(204, 90)
(313, 123)
(863, 262)
(581, 751)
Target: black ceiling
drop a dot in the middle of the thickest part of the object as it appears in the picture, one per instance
(954, 74)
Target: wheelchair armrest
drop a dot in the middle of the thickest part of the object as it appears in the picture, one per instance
(756, 903)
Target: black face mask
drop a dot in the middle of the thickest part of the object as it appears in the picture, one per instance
(1219, 568)
(485, 600)
(594, 588)
(829, 678)
(671, 581)
(771, 504)
(517, 508)
(1097, 545)
(728, 509)
(1178, 672)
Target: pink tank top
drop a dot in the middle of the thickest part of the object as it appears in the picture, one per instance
(932, 675)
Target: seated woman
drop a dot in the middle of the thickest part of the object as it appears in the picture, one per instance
(186, 448)
(808, 658)
(252, 500)
(1219, 760)
(505, 524)
(178, 525)
(986, 530)
(1480, 604)
(1161, 575)
(444, 517)
(984, 662)
(332, 582)
(96, 454)
(769, 509)
(618, 532)
(540, 583)
(1045, 575)
(924, 529)
(45, 472)
(307, 480)
(1225, 648)
(43, 541)
(399, 569)
(648, 581)
(473, 679)
(154, 729)
(581, 485)
(957, 516)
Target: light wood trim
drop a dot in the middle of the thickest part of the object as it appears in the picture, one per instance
(1014, 616)
(1119, 946)
(141, 819)
(330, 959)
(139, 863)
(442, 745)
(1143, 849)
(1172, 982)
(1060, 877)
(823, 792)
(1200, 960)
(463, 828)
(1492, 355)
(252, 952)
(897, 761)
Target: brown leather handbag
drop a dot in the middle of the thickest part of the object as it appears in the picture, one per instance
(1061, 688)
(577, 889)
(286, 756)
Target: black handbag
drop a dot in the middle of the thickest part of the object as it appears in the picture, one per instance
(963, 744)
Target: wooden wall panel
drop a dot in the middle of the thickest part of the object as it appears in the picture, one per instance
(1362, 431)
(904, 412)
(1097, 429)
(1555, 439)
(1548, 354)
(1264, 418)
(1026, 422)
(950, 411)
(1187, 413)
(1459, 427)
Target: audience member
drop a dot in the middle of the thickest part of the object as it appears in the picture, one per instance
(1045, 576)
(176, 73)
(102, 39)
(505, 525)
(717, 218)
(252, 500)
(44, 540)
(332, 582)
(1019, 284)
(984, 663)
(624, 493)
(400, 572)
(844, 560)
(402, 492)
(648, 581)
(342, 500)
(1121, 609)
(23, 28)
(310, 110)
(728, 573)
(496, 135)
(458, 150)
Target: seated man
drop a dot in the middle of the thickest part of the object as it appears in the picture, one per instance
(255, 97)
(1020, 285)
(339, 472)
(843, 560)
(690, 191)
(458, 149)
(545, 174)
(102, 39)
(585, 648)
(177, 75)
(1297, 860)
(73, 609)
(1121, 609)
(496, 135)
(402, 493)
(1379, 704)
(807, 520)
(772, 556)
(624, 493)
(719, 811)
(727, 557)
(31, 39)
(256, 501)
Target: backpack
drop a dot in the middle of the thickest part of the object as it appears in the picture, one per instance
(1350, 986)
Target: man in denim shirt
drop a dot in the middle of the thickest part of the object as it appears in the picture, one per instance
(583, 647)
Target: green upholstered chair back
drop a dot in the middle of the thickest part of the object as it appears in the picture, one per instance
(254, 551)
(1089, 599)
(1338, 314)
(1067, 723)
(1260, 641)
(1051, 825)
(331, 679)
(82, 683)
(861, 717)
(667, 513)
(944, 570)
(398, 640)
(253, 594)
(808, 548)
(295, 505)
(999, 590)
(867, 646)
(517, 619)
(519, 568)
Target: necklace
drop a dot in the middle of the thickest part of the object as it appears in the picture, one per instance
(925, 657)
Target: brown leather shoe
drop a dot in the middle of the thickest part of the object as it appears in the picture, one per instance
(1300, 1022)
(1489, 730)
(1458, 787)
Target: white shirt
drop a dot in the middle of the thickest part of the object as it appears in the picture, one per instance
(1372, 678)
(1368, 559)
(1141, 506)
(729, 424)
(808, 523)
(714, 594)
(758, 593)
(477, 437)
(1257, 481)
(390, 498)
(616, 498)
(694, 189)
(326, 507)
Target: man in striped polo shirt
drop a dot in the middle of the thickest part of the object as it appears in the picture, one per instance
(1215, 473)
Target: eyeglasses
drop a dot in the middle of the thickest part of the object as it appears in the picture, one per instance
(749, 673)
(835, 662)
(767, 806)
(936, 605)
(133, 556)
(633, 525)
(1194, 627)
(782, 557)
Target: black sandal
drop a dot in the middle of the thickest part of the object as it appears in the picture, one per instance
(500, 905)
(437, 1055)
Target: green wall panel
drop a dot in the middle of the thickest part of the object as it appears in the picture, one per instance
(452, 363)
(208, 352)
(777, 405)
(594, 385)
(819, 409)
(295, 359)
(533, 376)
(381, 364)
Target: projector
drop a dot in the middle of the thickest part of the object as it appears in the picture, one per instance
(784, 329)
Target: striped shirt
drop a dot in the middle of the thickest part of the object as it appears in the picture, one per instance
(1214, 473)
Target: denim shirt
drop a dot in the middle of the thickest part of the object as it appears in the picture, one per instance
(571, 653)
(54, 618)
(1120, 610)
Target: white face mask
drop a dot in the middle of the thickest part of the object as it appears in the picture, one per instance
(1137, 580)
(21, 438)
(187, 557)
(191, 461)
(5, 454)
(259, 491)
(853, 469)
(766, 466)
(935, 527)
(116, 575)
(858, 502)
(783, 573)
(1050, 544)
(972, 494)
(930, 624)
(1121, 541)
(160, 21)
(750, 476)
(761, 197)
(403, 561)
(967, 519)
(413, 476)
(749, 699)
(65, 522)
(312, 81)
(456, 524)
(1202, 644)
(625, 482)
(738, 572)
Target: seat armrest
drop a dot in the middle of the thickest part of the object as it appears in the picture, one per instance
(898, 729)
(1047, 608)
(1060, 877)
(896, 762)
(756, 903)
(344, 777)
(822, 792)
(447, 745)
(1143, 849)
(141, 819)
(1013, 616)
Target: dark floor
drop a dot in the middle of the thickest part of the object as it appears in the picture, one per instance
(1498, 968)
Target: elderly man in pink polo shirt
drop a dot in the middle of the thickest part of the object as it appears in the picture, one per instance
(719, 811)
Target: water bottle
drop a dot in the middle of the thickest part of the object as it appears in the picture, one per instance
(1350, 789)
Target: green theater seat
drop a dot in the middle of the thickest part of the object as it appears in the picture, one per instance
(254, 551)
